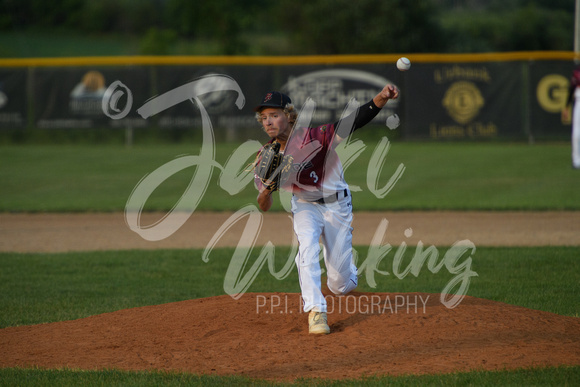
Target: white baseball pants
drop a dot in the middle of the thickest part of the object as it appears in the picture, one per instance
(576, 129)
(329, 223)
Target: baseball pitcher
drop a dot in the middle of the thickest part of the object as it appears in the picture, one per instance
(304, 162)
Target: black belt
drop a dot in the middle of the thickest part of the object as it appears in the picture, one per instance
(332, 198)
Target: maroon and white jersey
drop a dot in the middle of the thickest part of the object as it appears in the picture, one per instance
(574, 90)
(575, 80)
(316, 169)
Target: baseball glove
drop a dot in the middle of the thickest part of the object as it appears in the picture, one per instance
(273, 168)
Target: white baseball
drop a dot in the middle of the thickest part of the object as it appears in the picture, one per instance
(403, 64)
(393, 122)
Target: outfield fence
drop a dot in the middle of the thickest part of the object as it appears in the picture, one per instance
(516, 95)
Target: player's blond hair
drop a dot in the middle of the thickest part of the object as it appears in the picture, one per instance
(289, 111)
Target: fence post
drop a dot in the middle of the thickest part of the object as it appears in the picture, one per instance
(527, 101)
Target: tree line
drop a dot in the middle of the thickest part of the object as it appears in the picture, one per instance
(259, 27)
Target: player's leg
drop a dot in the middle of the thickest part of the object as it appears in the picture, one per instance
(576, 135)
(337, 241)
(308, 227)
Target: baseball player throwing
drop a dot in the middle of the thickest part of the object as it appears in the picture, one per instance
(304, 162)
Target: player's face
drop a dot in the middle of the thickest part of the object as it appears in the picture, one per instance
(275, 122)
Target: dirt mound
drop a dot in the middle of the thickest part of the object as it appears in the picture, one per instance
(265, 336)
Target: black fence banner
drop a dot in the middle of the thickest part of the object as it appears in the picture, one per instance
(333, 87)
(466, 100)
(549, 82)
(233, 123)
(13, 104)
(72, 97)
(443, 97)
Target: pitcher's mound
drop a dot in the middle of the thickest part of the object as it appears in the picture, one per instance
(266, 336)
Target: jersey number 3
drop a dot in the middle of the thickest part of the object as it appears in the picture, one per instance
(314, 176)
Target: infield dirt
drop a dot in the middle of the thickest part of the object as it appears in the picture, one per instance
(54, 232)
(265, 335)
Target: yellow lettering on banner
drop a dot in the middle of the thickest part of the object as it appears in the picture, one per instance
(447, 131)
(473, 130)
(433, 130)
(552, 92)
(485, 130)
(448, 74)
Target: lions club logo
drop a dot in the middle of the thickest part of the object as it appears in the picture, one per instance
(463, 101)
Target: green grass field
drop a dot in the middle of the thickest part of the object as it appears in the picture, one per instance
(37, 288)
(458, 176)
(560, 376)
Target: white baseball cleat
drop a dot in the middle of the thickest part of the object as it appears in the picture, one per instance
(317, 323)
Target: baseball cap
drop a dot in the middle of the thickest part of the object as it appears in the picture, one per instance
(274, 99)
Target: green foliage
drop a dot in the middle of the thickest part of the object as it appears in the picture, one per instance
(525, 28)
(120, 16)
(40, 14)
(221, 20)
(364, 26)
(157, 42)
(233, 27)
